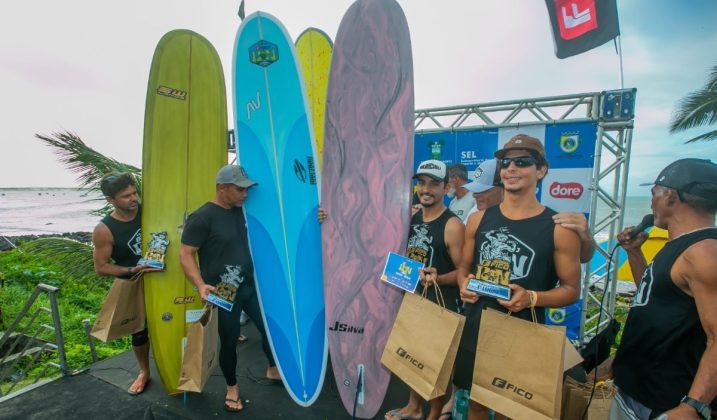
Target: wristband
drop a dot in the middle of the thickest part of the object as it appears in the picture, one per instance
(533, 298)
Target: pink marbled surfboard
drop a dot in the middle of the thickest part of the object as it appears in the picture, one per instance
(367, 164)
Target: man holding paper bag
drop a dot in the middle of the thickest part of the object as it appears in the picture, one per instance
(436, 240)
(515, 251)
(117, 241)
(217, 233)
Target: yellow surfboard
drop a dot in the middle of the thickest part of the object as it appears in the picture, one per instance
(185, 131)
(656, 239)
(314, 49)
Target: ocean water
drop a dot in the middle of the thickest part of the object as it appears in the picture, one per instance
(39, 211)
(42, 211)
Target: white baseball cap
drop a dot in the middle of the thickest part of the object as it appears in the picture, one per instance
(482, 177)
(436, 169)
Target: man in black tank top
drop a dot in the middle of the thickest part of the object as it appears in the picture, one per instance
(667, 358)
(117, 248)
(435, 238)
(520, 238)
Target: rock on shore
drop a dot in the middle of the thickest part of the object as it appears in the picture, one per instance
(85, 237)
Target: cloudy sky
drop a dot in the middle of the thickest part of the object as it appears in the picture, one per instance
(82, 66)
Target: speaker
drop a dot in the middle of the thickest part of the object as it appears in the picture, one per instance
(618, 104)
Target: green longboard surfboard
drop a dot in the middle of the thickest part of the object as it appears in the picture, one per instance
(185, 131)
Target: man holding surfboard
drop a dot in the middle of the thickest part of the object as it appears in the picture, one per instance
(435, 239)
(522, 240)
(217, 233)
(117, 248)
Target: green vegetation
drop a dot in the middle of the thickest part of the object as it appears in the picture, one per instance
(698, 109)
(64, 264)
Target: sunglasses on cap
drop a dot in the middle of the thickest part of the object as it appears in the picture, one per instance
(520, 161)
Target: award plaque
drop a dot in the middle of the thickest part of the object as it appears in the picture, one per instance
(223, 296)
(157, 249)
(492, 279)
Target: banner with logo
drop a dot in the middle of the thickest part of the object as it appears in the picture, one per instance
(569, 147)
(581, 25)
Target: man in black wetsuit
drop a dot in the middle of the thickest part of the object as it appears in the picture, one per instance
(217, 233)
(667, 359)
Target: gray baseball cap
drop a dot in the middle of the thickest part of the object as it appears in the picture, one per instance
(234, 174)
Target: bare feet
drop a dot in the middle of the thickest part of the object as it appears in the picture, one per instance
(273, 373)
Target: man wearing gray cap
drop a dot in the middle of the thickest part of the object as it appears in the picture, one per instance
(667, 359)
(217, 233)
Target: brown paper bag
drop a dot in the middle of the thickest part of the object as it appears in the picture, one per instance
(201, 355)
(422, 346)
(123, 311)
(519, 367)
(577, 395)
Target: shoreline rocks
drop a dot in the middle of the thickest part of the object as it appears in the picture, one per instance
(84, 237)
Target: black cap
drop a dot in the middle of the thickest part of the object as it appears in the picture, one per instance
(693, 176)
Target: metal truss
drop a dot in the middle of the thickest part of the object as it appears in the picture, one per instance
(608, 186)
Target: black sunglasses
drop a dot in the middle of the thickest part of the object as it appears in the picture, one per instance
(520, 161)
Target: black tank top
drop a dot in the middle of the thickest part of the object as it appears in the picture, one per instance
(525, 246)
(663, 340)
(426, 244)
(127, 248)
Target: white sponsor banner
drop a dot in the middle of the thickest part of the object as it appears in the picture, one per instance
(567, 189)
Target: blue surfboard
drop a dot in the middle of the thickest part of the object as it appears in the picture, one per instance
(275, 145)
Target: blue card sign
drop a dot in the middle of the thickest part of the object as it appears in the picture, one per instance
(401, 272)
(220, 302)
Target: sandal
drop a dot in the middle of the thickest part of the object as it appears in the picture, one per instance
(233, 409)
(138, 387)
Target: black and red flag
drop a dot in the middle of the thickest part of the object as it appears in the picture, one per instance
(581, 25)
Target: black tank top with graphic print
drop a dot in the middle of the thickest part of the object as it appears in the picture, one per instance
(518, 250)
(426, 244)
(127, 237)
(663, 340)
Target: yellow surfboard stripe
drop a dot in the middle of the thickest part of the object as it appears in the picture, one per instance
(314, 49)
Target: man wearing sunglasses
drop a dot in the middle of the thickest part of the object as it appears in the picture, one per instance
(487, 190)
(519, 234)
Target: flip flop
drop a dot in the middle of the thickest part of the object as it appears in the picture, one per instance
(447, 413)
(242, 338)
(396, 414)
(232, 409)
(138, 387)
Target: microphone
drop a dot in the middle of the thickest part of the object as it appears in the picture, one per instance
(646, 222)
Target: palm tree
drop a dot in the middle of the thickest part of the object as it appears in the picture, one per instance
(90, 164)
(699, 108)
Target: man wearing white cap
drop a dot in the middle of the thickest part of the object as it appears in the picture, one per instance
(435, 239)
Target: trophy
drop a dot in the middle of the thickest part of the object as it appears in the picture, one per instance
(157, 249)
(492, 279)
(225, 292)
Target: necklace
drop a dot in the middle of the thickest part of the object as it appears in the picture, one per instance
(692, 231)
